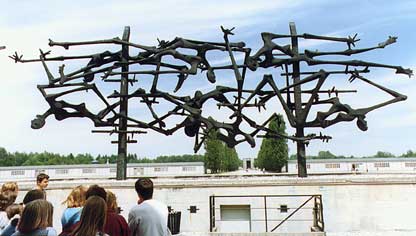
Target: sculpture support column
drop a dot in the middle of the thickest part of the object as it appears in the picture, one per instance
(301, 155)
(122, 135)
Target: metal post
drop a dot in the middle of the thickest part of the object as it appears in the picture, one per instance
(301, 155)
(212, 213)
(122, 135)
(315, 213)
(265, 213)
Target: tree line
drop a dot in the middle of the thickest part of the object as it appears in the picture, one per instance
(49, 158)
(272, 156)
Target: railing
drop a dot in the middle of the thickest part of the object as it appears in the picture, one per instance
(291, 207)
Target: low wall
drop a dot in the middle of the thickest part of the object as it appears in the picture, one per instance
(353, 204)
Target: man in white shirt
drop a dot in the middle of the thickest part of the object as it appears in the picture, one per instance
(149, 217)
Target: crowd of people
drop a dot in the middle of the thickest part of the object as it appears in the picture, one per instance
(90, 211)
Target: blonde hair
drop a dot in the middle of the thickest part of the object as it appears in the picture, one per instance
(77, 197)
(37, 214)
(111, 201)
(10, 186)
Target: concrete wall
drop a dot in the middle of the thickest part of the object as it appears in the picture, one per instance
(353, 204)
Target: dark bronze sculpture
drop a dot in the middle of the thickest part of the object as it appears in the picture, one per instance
(189, 108)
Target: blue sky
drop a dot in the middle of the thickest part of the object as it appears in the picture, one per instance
(27, 26)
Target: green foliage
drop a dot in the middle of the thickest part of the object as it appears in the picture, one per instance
(213, 152)
(273, 152)
(384, 154)
(218, 156)
(326, 155)
(48, 158)
(231, 160)
(409, 153)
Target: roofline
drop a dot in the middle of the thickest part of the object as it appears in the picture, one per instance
(102, 165)
(386, 159)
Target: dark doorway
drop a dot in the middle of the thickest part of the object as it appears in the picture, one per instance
(248, 164)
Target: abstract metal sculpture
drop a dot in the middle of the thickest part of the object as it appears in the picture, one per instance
(171, 58)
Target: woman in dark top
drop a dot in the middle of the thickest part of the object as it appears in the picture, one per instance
(115, 225)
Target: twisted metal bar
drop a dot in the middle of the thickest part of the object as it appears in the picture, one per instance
(189, 109)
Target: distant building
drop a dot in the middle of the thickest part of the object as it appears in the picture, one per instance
(102, 170)
(248, 163)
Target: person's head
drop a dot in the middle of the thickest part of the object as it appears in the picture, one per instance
(42, 180)
(14, 209)
(111, 201)
(93, 217)
(10, 186)
(32, 195)
(76, 198)
(37, 214)
(6, 199)
(144, 189)
(95, 190)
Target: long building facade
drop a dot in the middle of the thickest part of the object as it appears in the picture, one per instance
(102, 170)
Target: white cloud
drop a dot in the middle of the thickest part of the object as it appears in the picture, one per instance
(31, 24)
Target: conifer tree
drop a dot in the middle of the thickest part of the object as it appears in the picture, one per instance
(213, 152)
(273, 152)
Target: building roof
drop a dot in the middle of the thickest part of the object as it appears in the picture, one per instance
(102, 165)
(387, 159)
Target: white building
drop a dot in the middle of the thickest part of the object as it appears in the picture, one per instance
(102, 170)
(356, 165)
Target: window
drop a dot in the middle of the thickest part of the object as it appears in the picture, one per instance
(332, 165)
(61, 171)
(88, 171)
(381, 164)
(235, 212)
(410, 164)
(283, 208)
(138, 171)
(188, 168)
(160, 169)
(18, 172)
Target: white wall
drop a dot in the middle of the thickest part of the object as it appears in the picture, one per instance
(352, 204)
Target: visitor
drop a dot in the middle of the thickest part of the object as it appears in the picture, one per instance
(36, 220)
(42, 182)
(30, 196)
(95, 190)
(74, 203)
(11, 187)
(93, 218)
(115, 224)
(13, 212)
(149, 217)
(7, 198)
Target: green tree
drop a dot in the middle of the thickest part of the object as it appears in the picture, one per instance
(231, 162)
(273, 152)
(213, 152)
(384, 154)
(409, 153)
(326, 155)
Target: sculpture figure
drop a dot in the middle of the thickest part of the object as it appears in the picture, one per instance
(236, 99)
